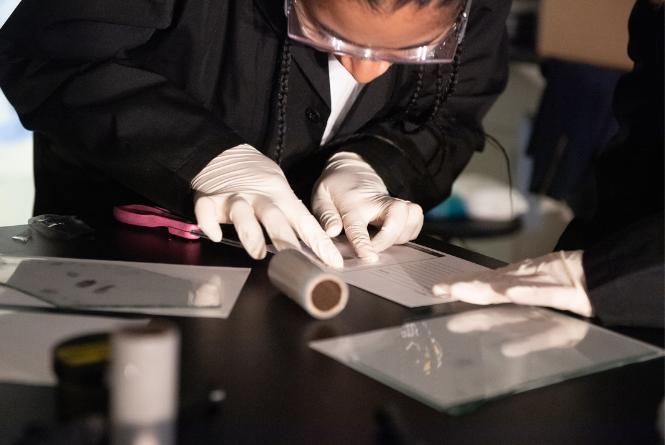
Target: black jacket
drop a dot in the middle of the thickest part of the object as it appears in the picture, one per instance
(623, 243)
(130, 99)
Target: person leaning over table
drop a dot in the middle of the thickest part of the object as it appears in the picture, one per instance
(234, 111)
(610, 266)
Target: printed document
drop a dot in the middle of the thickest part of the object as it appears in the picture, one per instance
(404, 274)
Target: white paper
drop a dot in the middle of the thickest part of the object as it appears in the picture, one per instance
(28, 339)
(404, 274)
(230, 279)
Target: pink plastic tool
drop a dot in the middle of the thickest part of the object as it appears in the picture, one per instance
(147, 216)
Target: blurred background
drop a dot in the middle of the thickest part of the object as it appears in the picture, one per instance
(16, 187)
(546, 129)
(553, 120)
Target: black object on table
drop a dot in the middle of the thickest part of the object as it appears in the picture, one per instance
(447, 229)
(252, 378)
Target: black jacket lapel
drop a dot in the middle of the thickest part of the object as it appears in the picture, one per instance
(314, 65)
(371, 99)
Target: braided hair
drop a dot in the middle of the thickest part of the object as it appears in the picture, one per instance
(285, 65)
(441, 97)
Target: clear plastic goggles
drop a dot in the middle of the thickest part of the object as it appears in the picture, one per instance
(305, 29)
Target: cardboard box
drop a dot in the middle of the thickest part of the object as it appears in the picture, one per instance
(589, 31)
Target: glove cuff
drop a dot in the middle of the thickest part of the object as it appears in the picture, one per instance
(572, 261)
(213, 175)
(352, 162)
(347, 159)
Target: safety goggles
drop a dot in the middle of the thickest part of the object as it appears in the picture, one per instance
(303, 28)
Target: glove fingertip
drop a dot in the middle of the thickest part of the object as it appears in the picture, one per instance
(333, 230)
(258, 253)
(261, 254)
(363, 247)
(381, 244)
(327, 251)
(332, 226)
(336, 260)
(369, 258)
(442, 291)
(212, 231)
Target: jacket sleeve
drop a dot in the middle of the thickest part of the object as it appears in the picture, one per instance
(68, 69)
(422, 167)
(625, 275)
(624, 241)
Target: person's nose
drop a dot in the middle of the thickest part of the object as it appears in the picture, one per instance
(364, 71)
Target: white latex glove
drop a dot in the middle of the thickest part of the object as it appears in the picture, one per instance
(555, 280)
(350, 195)
(244, 187)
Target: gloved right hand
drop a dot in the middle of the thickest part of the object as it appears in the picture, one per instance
(243, 187)
(350, 195)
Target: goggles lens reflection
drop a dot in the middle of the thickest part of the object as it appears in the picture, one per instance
(303, 28)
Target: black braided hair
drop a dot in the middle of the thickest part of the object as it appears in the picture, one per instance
(440, 98)
(285, 65)
(414, 97)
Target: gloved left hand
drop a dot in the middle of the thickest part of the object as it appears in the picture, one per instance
(350, 195)
(555, 280)
(244, 187)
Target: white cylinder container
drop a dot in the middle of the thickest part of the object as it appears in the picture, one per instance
(143, 379)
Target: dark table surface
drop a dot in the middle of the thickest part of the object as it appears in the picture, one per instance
(280, 391)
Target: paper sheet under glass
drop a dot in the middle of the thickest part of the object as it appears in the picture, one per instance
(454, 363)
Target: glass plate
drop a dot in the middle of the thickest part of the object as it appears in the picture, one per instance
(456, 362)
